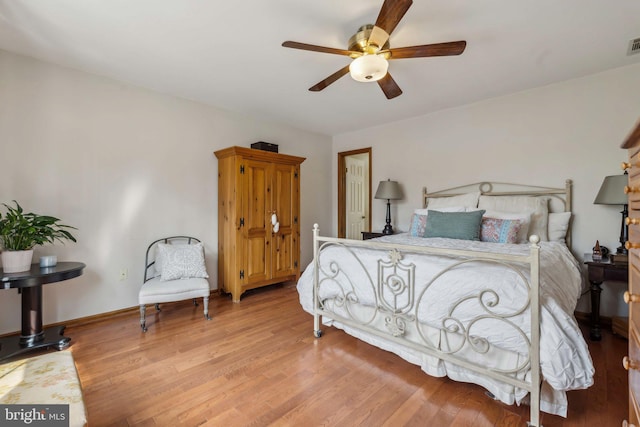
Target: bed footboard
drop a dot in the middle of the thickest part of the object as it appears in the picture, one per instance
(394, 299)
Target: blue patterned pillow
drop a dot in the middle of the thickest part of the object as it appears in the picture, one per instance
(418, 225)
(498, 230)
(454, 225)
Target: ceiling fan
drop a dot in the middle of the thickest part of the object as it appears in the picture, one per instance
(370, 50)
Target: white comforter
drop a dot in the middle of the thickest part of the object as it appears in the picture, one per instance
(565, 360)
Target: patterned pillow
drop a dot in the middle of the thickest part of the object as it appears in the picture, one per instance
(498, 230)
(524, 218)
(418, 225)
(537, 207)
(182, 261)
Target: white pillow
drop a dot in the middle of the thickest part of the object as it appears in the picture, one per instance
(450, 209)
(469, 200)
(181, 261)
(558, 226)
(159, 261)
(537, 207)
(525, 218)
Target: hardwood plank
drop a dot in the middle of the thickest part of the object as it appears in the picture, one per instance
(257, 363)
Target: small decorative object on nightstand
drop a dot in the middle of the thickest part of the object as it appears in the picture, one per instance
(597, 252)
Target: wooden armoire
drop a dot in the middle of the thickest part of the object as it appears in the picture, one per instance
(258, 219)
(632, 361)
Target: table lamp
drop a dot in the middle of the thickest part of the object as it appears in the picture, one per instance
(612, 193)
(389, 190)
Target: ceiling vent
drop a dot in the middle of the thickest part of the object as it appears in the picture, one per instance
(634, 47)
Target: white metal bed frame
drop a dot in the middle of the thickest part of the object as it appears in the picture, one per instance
(395, 316)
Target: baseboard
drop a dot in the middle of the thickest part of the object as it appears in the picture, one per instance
(585, 318)
(94, 318)
(620, 326)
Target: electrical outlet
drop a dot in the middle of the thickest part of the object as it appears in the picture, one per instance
(124, 274)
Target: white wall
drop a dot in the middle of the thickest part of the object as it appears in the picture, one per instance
(543, 136)
(125, 166)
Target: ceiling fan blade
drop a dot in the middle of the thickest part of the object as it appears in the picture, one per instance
(437, 49)
(331, 79)
(391, 13)
(389, 87)
(314, 48)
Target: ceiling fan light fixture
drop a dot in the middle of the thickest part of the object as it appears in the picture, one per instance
(368, 68)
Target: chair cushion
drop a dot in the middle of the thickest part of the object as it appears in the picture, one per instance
(158, 291)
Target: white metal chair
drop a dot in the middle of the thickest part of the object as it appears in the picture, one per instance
(182, 276)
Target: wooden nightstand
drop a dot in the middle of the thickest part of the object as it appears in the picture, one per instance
(598, 272)
(366, 235)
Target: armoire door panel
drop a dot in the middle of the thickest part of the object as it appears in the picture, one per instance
(258, 259)
(257, 195)
(283, 256)
(283, 182)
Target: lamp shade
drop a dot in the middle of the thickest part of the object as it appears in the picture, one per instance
(368, 68)
(612, 191)
(389, 190)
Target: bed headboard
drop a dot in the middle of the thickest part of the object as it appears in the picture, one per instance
(559, 198)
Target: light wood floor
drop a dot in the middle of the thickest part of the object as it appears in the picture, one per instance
(257, 363)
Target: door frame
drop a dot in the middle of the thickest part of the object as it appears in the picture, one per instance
(342, 189)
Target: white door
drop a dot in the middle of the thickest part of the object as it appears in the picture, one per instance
(356, 197)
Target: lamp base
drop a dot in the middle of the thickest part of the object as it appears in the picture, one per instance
(388, 229)
(624, 231)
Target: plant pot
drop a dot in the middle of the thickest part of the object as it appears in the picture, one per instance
(16, 261)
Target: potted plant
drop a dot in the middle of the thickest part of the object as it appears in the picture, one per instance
(20, 232)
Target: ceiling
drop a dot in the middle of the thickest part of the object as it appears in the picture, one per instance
(228, 54)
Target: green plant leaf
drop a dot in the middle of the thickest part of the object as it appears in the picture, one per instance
(22, 231)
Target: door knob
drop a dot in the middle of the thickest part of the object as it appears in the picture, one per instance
(630, 245)
(632, 221)
(629, 363)
(629, 297)
(628, 165)
(628, 189)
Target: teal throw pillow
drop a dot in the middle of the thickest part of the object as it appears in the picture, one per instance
(454, 225)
